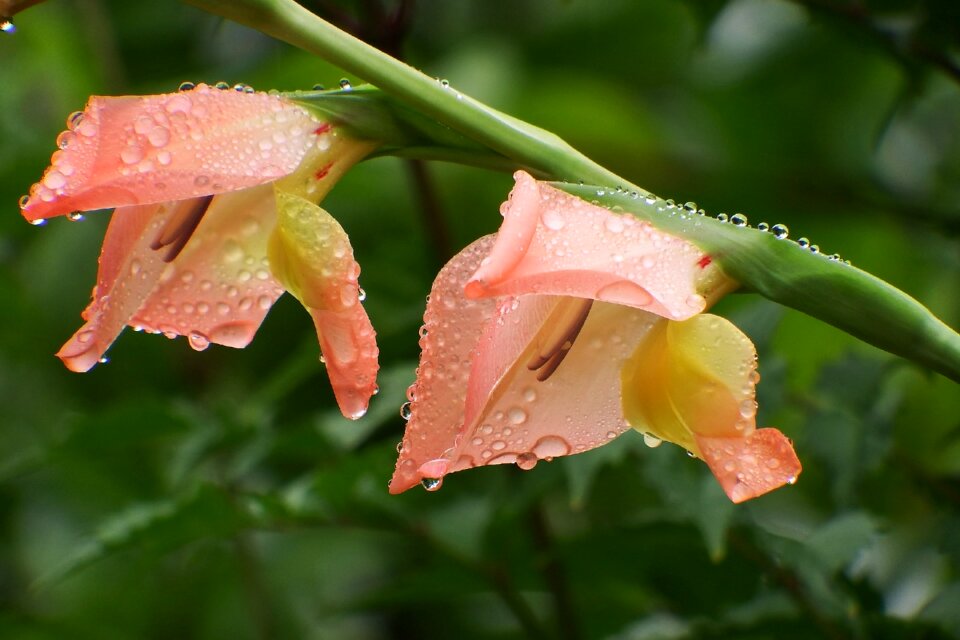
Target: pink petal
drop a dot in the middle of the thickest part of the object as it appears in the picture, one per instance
(476, 401)
(452, 325)
(311, 255)
(750, 466)
(219, 288)
(554, 243)
(138, 150)
(129, 271)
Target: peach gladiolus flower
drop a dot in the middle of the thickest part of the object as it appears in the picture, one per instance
(216, 194)
(566, 328)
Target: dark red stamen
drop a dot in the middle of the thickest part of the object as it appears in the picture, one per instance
(322, 129)
(704, 262)
(322, 173)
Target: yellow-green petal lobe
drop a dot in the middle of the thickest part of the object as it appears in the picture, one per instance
(692, 383)
(311, 256)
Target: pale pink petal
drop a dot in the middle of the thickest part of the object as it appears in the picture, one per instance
(138, 150)
(219, 287)
(750, 466)
(501, 412)
(452, 325)
(129, 271)
(583, 250)
(311, 255)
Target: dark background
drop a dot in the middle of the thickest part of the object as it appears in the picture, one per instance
(174, 494)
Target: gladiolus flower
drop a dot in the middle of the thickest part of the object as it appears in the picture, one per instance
(216, 195)
(566, 328)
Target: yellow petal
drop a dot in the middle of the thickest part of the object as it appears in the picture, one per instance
(692, 383)
(311, 256)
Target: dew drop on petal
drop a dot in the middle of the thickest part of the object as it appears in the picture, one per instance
(651, 440)
(551, 447)
(527, 461)
(198, 341)
(516, 415)
(431, 484)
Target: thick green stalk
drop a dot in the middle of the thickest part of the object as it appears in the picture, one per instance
(543, 152)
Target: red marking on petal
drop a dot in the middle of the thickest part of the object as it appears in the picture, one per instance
(322, 129)
(704, 262)
(322, 172)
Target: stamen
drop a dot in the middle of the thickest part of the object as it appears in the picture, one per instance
(564, 323)
(180, 227)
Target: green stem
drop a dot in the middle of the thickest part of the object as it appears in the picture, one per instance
(543, 152)
(844, 297)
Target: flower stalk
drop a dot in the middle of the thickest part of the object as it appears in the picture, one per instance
(849, 299)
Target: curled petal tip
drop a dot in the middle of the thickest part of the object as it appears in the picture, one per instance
(753, 465)
(82, 352)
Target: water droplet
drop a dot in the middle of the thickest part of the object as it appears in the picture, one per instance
(158, 136)
(691, 454)
(814, 248)
(406, 410)
(527, 461)
(803, 243)
(7, 26)
(400, 447)
(223, 86)
(186, 86)
(201, 181)
(498, 445)
(614, 224)
(198, 341)
(722, 217)
(345, 84)
(65, 139)
(651, 440)
(74, 119)
(690, 207)
(792, 480)
(780, 231)
(773, 463)
(39, 222)
(529, 394)
(74, 216)
(748, 408)
(318, 87)
(516, 415)
(103, 360)
(549, 447)
(131, 155)
(431, 484)
(361, 294)
(738, 220)
(763, 226)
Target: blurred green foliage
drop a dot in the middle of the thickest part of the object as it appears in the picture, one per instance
(176, 494)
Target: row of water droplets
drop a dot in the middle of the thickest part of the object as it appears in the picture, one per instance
(779, 231)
